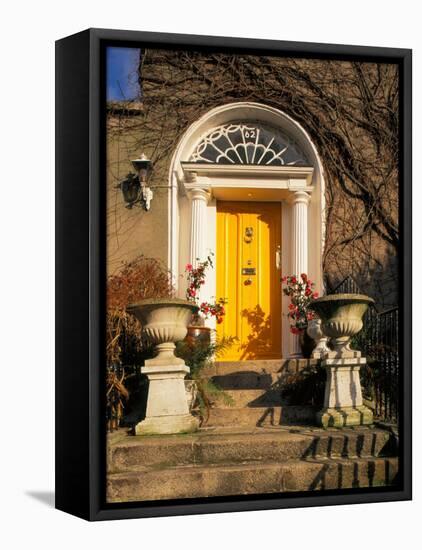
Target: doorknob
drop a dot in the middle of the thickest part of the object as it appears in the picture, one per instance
(278, 257)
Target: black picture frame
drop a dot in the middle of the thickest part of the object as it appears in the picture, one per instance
(80, 274)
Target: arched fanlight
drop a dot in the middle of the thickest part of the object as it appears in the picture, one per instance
(248, 143)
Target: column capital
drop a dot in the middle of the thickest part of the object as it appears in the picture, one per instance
(199, 193)
(299, 197)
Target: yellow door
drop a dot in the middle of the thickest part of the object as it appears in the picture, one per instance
(248, 277)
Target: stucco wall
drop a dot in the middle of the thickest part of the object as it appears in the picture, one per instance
(133, 232)
(179, 87)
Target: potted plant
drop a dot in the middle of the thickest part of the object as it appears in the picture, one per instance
(301, 293)
(197, 331)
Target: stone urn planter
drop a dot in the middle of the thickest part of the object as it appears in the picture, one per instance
(164, 322)
(341, 316)
(341, 319)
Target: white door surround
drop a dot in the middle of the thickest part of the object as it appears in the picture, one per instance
(196, 186)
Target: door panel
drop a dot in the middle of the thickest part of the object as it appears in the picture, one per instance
(248, 236)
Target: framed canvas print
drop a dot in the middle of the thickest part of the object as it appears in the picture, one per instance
(233, 274)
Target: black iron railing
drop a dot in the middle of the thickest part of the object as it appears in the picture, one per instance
(379, 342)
(347, 286)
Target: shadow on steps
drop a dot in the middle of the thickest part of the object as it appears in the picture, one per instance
(244, 380)
(287, 416)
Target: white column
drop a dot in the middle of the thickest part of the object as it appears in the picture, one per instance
(299, 254)
(300, 201)
(199, 199)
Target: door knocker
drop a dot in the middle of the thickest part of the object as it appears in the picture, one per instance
(248, 234)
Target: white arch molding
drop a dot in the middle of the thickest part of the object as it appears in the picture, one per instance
(300, 190)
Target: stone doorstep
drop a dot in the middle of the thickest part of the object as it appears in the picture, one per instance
(242, 479)
(251, 398)
(248, 380)
(261, 416)
(260, 366)
(208, 447)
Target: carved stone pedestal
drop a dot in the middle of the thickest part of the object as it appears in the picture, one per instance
(343, 404)
(164, 322)
(167, 407)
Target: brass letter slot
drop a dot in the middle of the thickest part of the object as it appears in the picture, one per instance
(249, 271)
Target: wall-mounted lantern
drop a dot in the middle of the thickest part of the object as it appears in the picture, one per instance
(134, 187)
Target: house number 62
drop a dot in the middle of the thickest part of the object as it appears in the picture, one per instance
(250, 133)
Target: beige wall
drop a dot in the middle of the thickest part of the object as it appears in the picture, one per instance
(135, 231)
(179, 87)
(131, 233)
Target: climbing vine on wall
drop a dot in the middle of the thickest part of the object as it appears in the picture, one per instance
(349, 109)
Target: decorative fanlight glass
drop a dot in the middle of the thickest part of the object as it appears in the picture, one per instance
(240, 143)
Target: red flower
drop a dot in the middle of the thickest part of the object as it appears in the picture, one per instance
(304, 277)
(315, 295)
(284, 279)
(293, 280)
(188, 267)
(308, 292)
(292, 306)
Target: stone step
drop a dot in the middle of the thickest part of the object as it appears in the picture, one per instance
(262, 416)
(264, 366)
(251, 398)
(242, 479)
(264, 445)
(246, 380)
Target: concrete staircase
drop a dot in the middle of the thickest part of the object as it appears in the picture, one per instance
(260, 445)
(255, 388)
(223, 461)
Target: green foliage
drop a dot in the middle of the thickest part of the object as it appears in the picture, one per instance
(199, 356)
(208, 393)
(305, 387)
